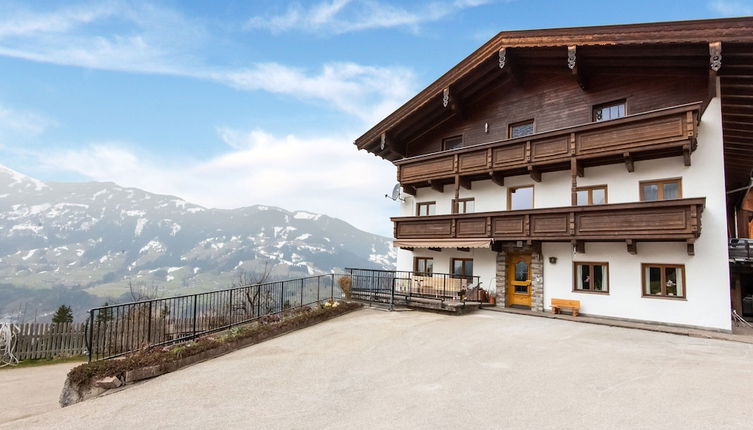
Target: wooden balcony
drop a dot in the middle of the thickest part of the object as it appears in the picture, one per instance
(655, 134)
(669, 220)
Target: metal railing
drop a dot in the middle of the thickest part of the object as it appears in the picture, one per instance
(116, 330)
(382, 284)
(740, 249)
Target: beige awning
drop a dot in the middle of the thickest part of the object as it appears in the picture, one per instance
(442, 243)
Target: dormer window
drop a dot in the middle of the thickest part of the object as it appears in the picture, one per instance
(455, 142)
(607, 111)
(520, 129)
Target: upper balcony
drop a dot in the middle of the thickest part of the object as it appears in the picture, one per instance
(667, 220)
(660, 133)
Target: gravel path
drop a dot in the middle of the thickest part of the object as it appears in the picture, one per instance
(414, 370)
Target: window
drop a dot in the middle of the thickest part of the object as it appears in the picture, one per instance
(663, 280)
(462, 268)
(586, 196)
(664, 189)
(520, 198)
(463, 206)
(426, 208)
(455, 142)
(608, 111)
(520, 129)
(591, 277)
(423, 265)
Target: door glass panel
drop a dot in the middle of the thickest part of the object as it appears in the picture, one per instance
(599, 196)
(521, 271)
(671, 191)
(650, 192)
(521, 198)
(521, 289)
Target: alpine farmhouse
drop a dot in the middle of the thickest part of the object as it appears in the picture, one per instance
(607, 165)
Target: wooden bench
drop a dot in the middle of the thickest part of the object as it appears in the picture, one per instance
(558, 304)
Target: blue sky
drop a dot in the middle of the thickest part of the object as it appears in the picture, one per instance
(234, 103)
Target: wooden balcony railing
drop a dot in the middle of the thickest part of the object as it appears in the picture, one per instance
(659, 133)
(669, 220)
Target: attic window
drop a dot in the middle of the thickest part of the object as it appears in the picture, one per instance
(607, 111)
(455, 142)
(520, 129)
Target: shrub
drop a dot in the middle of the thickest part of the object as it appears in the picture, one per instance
(346, 285)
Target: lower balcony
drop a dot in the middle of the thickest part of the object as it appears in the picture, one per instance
(669, 220)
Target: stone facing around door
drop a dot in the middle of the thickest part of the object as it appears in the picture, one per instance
(537, 277)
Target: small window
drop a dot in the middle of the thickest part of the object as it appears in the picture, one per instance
(423, 265)
(608, 111)
(665, 189)
(426, 208)
(520, 129)
(462, 268)
(586, 196)
(663, 280)
(591, 277)
(463, 206)
(520, 198)
(455, 142)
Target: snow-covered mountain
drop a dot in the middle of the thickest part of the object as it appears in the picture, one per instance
(95, 237)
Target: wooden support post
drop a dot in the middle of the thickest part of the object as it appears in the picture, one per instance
(691, 246)
(632, 246)
(686, 154)
(576, 167)
(464, 182)
(575, 68)
(535, 173)
(436, 186)
(579, 246)
(497, 178)
(628, 162)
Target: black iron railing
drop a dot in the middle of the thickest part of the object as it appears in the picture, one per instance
(741, 249)
(373, 284)
(117, 330)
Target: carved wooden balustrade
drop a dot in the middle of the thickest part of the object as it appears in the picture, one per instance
(660, 133)
(668, 220)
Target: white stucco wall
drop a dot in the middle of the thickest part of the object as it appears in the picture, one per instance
(707, 272)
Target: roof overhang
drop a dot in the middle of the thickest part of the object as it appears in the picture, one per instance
(442, 243)
(647, 45)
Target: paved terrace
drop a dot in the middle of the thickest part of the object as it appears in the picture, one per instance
(413, 370)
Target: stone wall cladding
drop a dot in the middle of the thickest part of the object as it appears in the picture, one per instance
(501, 279)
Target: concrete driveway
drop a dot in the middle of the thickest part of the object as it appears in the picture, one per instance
(29, 391)
(413, 370)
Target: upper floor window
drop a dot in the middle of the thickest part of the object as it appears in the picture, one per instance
(520, 129)
(607, 111)
(663, 280)
(454, 142)
(596, 195)
(426, 208)
(664, 189)
(423, 265)
(520, 198)
(463, 206)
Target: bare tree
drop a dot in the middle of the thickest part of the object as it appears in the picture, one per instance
(254, 297)
(141, 291)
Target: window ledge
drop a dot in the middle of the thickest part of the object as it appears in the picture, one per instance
(605, 293)
(678, 298)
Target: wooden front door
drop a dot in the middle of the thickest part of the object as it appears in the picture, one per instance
(519, 280)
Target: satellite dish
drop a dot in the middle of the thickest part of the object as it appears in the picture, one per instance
(395, 194)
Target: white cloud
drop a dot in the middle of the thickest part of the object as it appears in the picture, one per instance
(15, 122)
(345, 16)
(145, 39)
(318, 174)
(731, 8)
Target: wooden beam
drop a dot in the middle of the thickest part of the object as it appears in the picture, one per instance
(409, 189)
(435, 249)
(579, 246)
(387, 142)
(691, 247)
(498, 178)
(535, 173)
(628, 162)
(632, 246)
(715, 56)
(576, 69)
(464, 249)
(438, 186)
(576, 168)
(464, 182)
(535, 245)
(686, 154)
